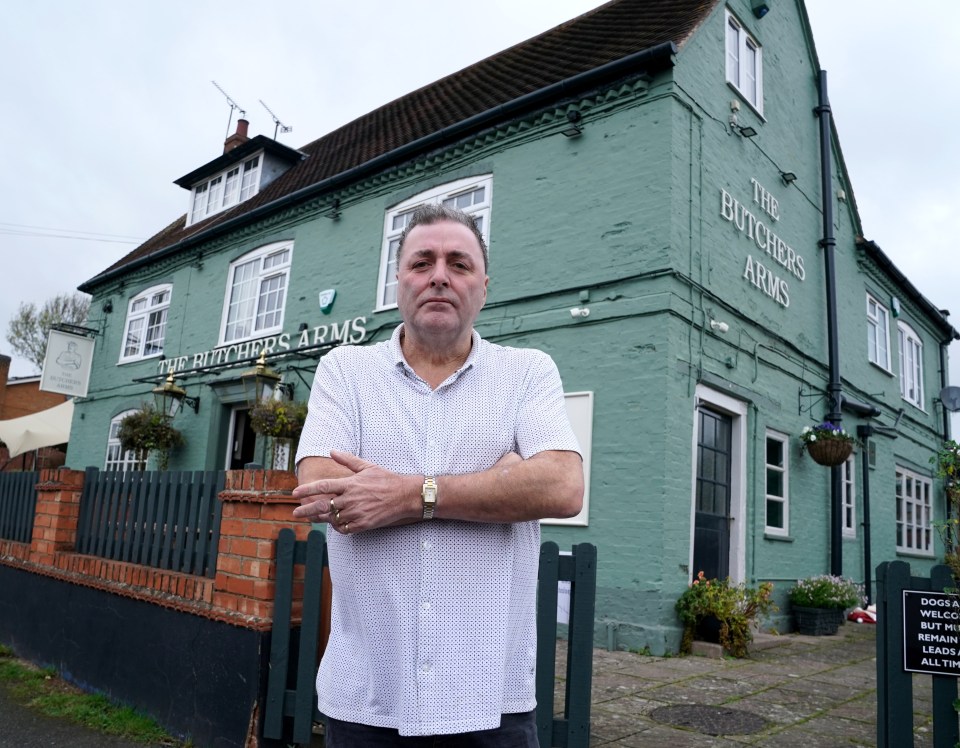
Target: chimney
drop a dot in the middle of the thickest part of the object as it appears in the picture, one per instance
(238, 138)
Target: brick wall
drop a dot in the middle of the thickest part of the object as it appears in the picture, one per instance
(256, 505)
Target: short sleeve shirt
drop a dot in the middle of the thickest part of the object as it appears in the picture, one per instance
(433, 624)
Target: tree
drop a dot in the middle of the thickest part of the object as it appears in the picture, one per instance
(28, 328)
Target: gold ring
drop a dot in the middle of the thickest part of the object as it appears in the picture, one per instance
(346, 529)
(337, 515)
(333, 507)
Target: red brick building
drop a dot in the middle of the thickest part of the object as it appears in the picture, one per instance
(22, 396)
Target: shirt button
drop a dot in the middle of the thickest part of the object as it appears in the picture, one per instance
(425, 605)
(427, 545)
(426, 667)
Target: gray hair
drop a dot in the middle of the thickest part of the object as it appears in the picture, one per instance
(430, 213)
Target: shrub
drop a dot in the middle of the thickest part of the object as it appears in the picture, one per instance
(826, 591)
(735, 606)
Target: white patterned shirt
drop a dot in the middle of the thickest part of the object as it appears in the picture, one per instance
(433, 624)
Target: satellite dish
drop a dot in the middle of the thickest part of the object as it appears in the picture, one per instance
(950, 397)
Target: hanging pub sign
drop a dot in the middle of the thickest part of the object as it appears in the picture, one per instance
(931, 632)
(66, 367)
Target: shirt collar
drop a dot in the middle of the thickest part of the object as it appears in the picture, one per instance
(396, 351)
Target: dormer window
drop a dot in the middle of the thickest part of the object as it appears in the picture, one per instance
(226, 189)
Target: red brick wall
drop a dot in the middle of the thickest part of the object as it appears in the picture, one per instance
(256, 505)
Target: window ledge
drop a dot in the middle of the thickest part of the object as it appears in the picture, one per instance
(881, 367)
(135, 359)
(915, 554)
(778, 538)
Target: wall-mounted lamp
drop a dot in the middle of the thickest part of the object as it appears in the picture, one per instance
(580, 311)
(760, 8)
(107, 306)
(169, 398)
(574, 128)
(747, 131)
(788, 177)
(719, 326)
(259, 382)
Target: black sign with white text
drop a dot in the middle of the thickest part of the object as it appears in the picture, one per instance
(931, 633)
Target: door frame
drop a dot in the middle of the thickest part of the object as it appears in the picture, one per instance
(737, 410)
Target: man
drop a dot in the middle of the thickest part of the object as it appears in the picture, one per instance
(432, 456)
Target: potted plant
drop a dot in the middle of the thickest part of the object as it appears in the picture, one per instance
(282, 422)
(719, 610)
(827, 443)
(819, 602)
(148, 430)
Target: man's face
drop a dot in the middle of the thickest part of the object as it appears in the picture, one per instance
(441, 281)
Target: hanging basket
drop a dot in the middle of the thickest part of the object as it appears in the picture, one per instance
(829, 452)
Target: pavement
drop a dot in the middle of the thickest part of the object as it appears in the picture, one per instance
(793, 691)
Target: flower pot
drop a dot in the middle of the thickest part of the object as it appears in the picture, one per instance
(817, 621)
(708, 630)
(829, 452)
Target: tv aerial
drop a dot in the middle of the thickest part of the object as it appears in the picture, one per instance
(950, 397)
(277, 124)
(233, 105)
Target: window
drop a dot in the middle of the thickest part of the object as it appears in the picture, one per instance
(117, 457)
(225, 190)
(146, 324)
(878, 333)
(777, 481)
(256, 292)
(913, 513)
(911, 365)
(744, 63)
(849, 498)
(469, 195)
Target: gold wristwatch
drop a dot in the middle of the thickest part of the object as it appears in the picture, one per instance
(429, 495)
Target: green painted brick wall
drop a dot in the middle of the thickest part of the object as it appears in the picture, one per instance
(629, 214)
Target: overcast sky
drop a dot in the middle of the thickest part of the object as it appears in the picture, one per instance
(106, 102)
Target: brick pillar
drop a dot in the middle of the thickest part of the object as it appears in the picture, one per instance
(57, 514)
(257, 504)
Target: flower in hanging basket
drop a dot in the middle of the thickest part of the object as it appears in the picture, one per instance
(827, 443)
(278, 418)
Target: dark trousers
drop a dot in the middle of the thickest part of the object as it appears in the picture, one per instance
(515, 731)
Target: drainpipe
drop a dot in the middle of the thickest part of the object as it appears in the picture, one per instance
(864, 433)
(834, 388)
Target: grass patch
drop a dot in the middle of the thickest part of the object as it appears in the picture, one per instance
(43, 690)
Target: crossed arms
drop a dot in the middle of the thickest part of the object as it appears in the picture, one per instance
(366, 496)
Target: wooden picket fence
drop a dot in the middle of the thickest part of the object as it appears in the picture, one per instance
(165, 520)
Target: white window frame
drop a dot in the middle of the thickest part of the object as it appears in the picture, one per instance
(269, 276)
(914, 513)
(911, 365)
(395, 220)
(117, 458)
(849, 497)
(784, 471)
(878, 333)
(146, 311)
(740, 47)
(223, 190)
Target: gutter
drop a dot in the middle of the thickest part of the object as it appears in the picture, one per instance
(894, 272)
(660, 53)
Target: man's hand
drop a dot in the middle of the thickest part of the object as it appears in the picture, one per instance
(365, 498)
